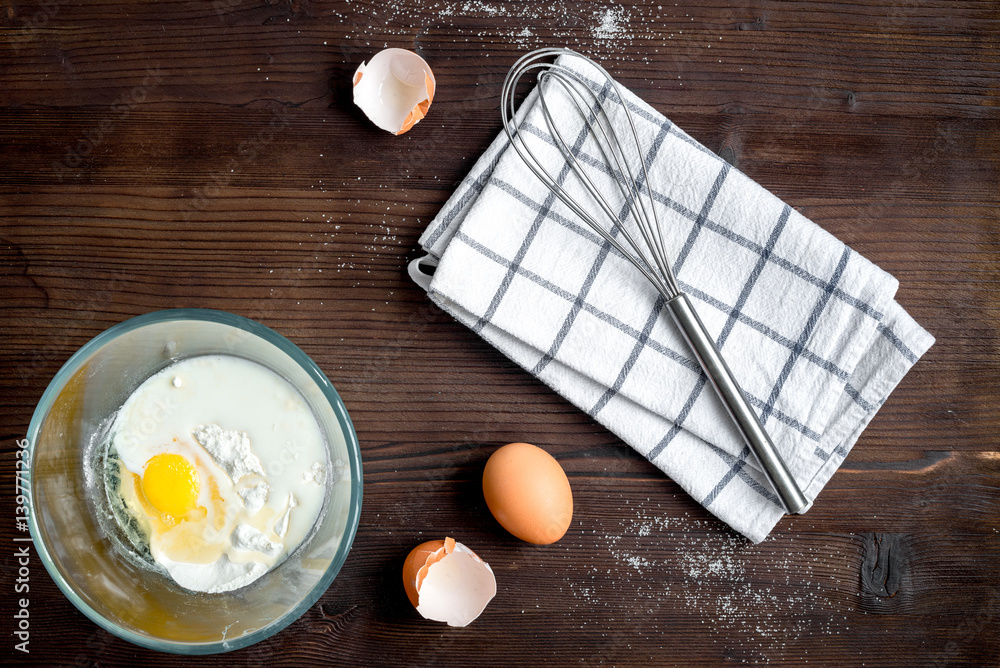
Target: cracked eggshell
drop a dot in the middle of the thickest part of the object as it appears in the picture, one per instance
(394, 89)
(447, 582)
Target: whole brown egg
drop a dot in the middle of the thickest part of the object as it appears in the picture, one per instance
(528, 493)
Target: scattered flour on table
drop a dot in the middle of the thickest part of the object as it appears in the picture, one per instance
(613, 24)
(604, 30)
(738, 589)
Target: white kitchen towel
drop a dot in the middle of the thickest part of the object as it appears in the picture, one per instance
(808, 326)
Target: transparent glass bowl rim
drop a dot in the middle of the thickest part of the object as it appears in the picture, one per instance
(336, 403)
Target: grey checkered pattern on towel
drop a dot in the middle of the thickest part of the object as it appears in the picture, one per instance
(808, 326)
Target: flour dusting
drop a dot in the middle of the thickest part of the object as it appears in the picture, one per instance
(608, 31)
(613, 24)
(668, 565)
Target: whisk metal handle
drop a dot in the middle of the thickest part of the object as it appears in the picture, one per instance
(732, 396)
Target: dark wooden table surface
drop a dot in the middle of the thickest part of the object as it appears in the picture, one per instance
(207, 154)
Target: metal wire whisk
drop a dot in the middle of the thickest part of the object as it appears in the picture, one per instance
(647, 250)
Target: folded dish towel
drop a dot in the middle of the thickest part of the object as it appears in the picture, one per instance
(808, 326)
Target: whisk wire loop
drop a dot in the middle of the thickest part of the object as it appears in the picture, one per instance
(642, 212)
(638, 203)
(613, 156)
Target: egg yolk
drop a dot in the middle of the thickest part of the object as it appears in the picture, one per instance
(170, 484)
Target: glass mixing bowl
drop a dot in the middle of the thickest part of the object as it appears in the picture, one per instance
(69, 520)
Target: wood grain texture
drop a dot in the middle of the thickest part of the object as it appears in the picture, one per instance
(207, 154)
